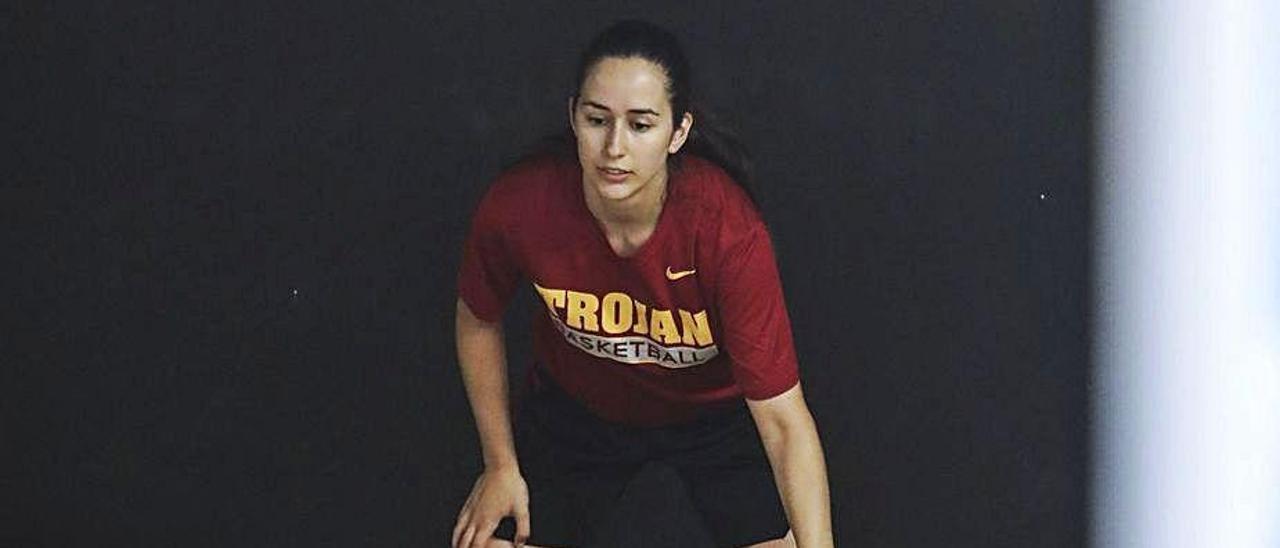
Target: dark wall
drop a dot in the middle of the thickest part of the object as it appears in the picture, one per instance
(178, 171)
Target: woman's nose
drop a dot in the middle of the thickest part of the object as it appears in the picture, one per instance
(613, 141)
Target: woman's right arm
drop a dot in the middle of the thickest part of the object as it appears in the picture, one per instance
(500, 491)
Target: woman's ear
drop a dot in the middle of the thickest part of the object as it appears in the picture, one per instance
(681, 133)
(573, 104)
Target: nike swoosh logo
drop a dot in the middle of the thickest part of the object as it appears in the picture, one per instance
(673, 276)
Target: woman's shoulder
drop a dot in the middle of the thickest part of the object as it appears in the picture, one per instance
(714, 192)
(536, 170)
(530, 180)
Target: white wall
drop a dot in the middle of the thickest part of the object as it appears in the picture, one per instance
(1187, 391)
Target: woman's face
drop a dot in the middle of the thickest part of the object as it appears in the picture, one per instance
(623, 122)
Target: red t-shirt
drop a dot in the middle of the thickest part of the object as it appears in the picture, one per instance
(693, 320)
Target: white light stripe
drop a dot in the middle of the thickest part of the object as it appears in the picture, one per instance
(1187, 391)
(684, 356)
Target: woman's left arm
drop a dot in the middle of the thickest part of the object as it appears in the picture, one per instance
(791, 441)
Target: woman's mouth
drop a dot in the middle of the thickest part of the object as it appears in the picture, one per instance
(613, 175)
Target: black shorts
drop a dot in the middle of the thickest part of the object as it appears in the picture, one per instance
(577, 465)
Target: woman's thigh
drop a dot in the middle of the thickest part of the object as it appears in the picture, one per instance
(576, 467)
(730, 482)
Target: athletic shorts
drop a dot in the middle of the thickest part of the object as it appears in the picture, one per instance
(576, 466)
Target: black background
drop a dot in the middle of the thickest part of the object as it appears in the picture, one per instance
(175, 172)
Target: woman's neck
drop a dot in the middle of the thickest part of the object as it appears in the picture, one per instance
(638, 212)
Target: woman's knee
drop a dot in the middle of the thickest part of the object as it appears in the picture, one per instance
(500, 543)
(788, 541)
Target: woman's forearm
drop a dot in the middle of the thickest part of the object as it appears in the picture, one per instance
(791, 441)
(482, 359)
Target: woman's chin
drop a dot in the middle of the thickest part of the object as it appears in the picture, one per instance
(614, 191)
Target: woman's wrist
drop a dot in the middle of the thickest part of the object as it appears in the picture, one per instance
(501, 465)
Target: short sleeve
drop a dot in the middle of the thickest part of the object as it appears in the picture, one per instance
(489, 272)
(753, 315)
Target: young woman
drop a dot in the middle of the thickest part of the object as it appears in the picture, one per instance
(664, 336)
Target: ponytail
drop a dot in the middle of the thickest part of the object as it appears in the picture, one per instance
(710, 139)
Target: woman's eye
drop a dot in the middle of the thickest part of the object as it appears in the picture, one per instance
(595, 120)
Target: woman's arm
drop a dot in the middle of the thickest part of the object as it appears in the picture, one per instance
(483, 360)
(799, 470)
(500, 491)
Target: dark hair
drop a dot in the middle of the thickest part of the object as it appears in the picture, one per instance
(708, 139)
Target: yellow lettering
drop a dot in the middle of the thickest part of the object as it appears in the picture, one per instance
(664, 325)
(554, 298)
(582, 308)
(642, 321)
(697, 330)
(615, 313)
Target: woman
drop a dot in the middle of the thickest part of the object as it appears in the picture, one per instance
(664, 314)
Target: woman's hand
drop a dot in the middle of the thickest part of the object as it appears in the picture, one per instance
(497, 494)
